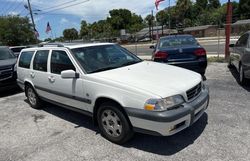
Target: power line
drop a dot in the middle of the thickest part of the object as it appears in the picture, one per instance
(11, 5)
(18, 5)
(64, 7)
(59, 5)
(7, 5)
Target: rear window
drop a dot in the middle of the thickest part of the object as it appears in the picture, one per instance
(177, 41)
(40, 60)
(25, 59)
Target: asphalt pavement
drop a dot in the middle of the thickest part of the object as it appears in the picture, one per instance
(57, 134)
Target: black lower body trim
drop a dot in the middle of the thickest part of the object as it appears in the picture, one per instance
(68, 107)
(88, 101)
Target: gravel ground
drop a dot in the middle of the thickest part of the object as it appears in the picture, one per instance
(56, 134)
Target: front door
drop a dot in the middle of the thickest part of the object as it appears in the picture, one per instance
(65, 91)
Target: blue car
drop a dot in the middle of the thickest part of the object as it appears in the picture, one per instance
(181, 50)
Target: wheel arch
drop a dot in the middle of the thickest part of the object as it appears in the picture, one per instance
(101, 100)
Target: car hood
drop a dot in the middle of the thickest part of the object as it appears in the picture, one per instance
(7, 62)
(156, 78)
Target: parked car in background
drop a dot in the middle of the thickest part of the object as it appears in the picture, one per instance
(17, 49)
(122, 93)
(240, 57)
(181, 50)
(7, 68)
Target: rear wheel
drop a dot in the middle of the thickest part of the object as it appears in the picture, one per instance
(113, 124)
(33, 99)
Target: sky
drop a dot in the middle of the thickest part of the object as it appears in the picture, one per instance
(62, 14)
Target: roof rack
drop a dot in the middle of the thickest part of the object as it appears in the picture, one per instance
(51, 45)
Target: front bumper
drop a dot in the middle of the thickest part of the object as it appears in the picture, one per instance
(167, 123)
(8, 83)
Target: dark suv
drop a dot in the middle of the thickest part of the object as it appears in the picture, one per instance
(7, 68)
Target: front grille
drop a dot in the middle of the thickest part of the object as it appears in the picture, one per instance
(5, 73)
(193, 92)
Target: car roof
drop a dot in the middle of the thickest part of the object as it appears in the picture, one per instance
(173, 36)
(54, 46)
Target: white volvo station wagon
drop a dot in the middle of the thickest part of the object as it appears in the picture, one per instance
(122, 93)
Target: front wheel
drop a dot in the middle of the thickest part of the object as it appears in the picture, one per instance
(113, 124)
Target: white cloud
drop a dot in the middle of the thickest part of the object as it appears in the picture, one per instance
(64, 20)
(94, 10)
(38, 18)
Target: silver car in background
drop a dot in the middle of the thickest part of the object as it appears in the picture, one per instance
(240, 57)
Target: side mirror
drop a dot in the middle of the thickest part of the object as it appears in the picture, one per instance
(231, 45)
(69, 74)
(152, 47)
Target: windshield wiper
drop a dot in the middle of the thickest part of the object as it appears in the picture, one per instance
(102, 69)
(129, 63)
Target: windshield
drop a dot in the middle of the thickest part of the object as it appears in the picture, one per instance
(177, 41)
(5, 53)
(100, 58)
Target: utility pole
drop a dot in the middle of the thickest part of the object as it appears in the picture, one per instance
(228, 28)
(31, 15)
(169, 19)
(152, 25)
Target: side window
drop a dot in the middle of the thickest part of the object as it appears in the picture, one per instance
(25, 59)
(60, 62)
(40, 60)
(243, 40)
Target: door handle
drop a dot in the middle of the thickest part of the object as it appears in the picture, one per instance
(32, 75)
(51, 79)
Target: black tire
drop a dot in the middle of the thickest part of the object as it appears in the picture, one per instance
(123, 133)
(33, 99)
(242, 78)
(230, 65)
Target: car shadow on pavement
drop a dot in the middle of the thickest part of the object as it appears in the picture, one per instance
(80, 120)
(154, 144)
(9, 92)
(169, 145)
(235, 74)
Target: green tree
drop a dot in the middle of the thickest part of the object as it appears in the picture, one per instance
(244, 9)
(214, 3)
(136, 23)
(70, 34)
(162, 18)
(120, 18)
(183, 7)
(202, 4)
(15, 30)
(84, 31)
(150, 20)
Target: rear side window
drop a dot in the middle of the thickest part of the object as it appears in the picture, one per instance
(40, 60)
(60, 62)
(25, 59)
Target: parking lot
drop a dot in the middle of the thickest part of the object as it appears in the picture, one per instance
(56, 134)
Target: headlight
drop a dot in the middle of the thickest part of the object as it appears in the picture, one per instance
(163, 104)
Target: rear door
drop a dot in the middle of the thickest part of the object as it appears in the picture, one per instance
(65, 91)
(39, 72)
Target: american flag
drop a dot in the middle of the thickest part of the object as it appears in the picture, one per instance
(157, 3)
(48, 29)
